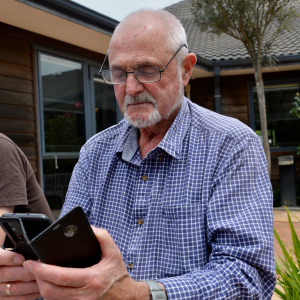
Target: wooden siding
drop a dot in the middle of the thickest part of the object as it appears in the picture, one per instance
(18, 98)
(202, 92)
(234, 98)
(235, 103)
(17, 107)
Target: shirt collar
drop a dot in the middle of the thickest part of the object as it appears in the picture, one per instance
(172, 141)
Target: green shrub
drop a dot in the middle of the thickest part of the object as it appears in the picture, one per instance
(288, 267)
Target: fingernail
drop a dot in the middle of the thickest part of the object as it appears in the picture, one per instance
(27, 265)
(18, 260)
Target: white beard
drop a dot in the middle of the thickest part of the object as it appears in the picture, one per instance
(152, 119)
(154, 116)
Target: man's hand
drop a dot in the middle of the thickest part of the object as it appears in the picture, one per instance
(108, 279)
(22, 282)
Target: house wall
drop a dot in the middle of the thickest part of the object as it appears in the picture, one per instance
(17, 102)
(18, 99)
(235, 103)
(18, 96)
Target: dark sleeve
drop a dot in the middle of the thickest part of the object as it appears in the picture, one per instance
(18, 184)
(12, 175)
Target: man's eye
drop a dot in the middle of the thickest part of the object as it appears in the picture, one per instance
(118, 74)
(148, 71)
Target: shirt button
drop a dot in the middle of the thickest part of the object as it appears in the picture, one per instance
(130, 266)
(145, 177)
(140, 222)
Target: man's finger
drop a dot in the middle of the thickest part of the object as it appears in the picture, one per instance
(11, 273)
(10, 258)
(69, 277)
(107, 244)
(18, 288)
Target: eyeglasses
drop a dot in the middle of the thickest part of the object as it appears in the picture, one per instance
(146, 75)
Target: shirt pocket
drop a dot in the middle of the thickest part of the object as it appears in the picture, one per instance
(183, 246)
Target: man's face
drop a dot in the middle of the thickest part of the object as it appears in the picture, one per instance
(145, 104)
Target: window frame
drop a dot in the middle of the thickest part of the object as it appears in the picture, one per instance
(251, 86)
(90, 68)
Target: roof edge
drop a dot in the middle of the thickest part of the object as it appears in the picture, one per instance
(203, 63)
(76, 13)
(282, 60)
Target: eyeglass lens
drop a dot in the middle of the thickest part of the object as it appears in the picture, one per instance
(150, 74)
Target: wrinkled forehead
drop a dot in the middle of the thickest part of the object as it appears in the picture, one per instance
(141, 30)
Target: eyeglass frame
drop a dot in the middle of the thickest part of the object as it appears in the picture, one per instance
(126, 72)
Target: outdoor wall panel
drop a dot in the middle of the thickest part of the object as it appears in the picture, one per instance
(8, 126)
(16, 57)
(15, 84)
(16, 98)
(14, 70)
(16, 112)
(202, 92)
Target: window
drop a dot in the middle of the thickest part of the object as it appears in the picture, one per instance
(63, 105)
(74, 104)
(105, 108)
(283, 127)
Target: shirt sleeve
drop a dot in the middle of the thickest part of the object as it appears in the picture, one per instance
(12, 176)
(239, 232)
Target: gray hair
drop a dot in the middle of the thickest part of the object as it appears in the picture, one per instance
(174, 32)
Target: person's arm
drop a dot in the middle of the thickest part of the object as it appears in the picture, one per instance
(13, 192)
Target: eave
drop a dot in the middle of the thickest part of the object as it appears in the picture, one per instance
(61, 20)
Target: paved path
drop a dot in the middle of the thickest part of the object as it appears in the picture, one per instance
(281, 225)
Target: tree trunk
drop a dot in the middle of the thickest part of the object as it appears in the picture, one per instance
(262, 110)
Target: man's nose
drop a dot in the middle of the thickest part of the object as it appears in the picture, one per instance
(133, 86)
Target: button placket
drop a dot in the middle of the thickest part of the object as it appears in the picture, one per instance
(141, 206)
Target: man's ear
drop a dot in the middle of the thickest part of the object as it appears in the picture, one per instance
(187, 67)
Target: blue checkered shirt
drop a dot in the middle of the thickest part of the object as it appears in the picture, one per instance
(195, 214)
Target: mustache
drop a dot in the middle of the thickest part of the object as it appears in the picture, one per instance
(140, 98)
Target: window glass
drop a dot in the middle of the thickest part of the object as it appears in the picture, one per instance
(105, 103)
(283, 127)
(66, 120)
(57, 175)
(63, 105)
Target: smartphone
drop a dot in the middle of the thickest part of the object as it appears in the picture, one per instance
(20, 229)
(68, 242)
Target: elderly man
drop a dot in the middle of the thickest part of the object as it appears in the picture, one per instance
(182, 193)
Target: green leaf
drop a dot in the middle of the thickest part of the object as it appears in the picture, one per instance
(288, 267)
(295, 239)
(280, 293)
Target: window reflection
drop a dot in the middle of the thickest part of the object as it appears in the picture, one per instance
(66, 120)
(283, 127)
(105, 102)
(56, 178)
(62, 88)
